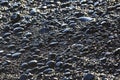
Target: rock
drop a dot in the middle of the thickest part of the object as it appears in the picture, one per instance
(24, 65)
(116, 51)
(51, 63)
(23, 77)
(86, 19)
(44, 30)
(51, 56)
(15, 17)
(16, 55)
(89, 77)
(59, 64)
(48, 71)
(53, 43)
(32, 63)
(4, 2)
(18, 29)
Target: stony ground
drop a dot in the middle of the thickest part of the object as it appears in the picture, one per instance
(60, 40)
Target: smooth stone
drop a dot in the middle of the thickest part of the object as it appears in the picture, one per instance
(116, 51)
(18, 29)
(16, 55)
(28, 34)
(23, 77)
(15, 17)
(44, 30)
(24, 65)
(51, 56)
(86, 19)
(59, 64)
(89, 77)
(51, 63)
(48, 71)
(32, 63)
(4, 2)
(53, 43)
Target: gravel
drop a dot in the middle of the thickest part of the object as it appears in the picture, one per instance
(59, 40)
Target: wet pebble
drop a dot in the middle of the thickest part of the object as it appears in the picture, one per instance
(51, 63)
(86, 19)
(16, 55)
(89, 77)
(32, 63)
(23, 77)
(48, 71)
(116, 51)
(15, 17)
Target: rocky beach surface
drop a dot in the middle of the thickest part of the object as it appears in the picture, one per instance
(59, 39)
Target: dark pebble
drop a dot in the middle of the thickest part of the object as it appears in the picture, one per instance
(51, 63)
(48, 71)
(23, 77)
(16, 55)
(15, 17)
(89, 77)
(32, 63)
(52, 56)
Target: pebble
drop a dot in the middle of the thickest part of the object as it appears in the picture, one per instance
(23, 77)
(116, 51)
(15, 17)
(32, 63)
(4, 2)
(89, 77)
(48, 71)
(16, 55)
(51, 56)
(86, 19)
(51, 63)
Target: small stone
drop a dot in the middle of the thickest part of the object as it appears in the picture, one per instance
(4, 2)
(32, 63)
(116, 51)
(44, 30)
(51, 56)
(86, 19)
(15, 17)
(48, 71)
(16, 55)
(23, 77)
(51, 63)
(24, 65)
(89, 77)
(59, 64)
(53, 43)
(18, 29)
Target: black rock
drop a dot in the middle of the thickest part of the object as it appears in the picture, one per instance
(44, 30)
(28, 34)
(15, 17)
(24, 65)
(59, 64)
(16, 55)
(23, 77)
(32, 63)
(116, 51)
(4, 2)
(6, 34)
(48, 71)
(51, 63)
(33, 11)
(86, 19)
(18, 29)
(89, 77)
(52, 56)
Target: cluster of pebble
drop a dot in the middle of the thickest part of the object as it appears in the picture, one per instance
(59, 39)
